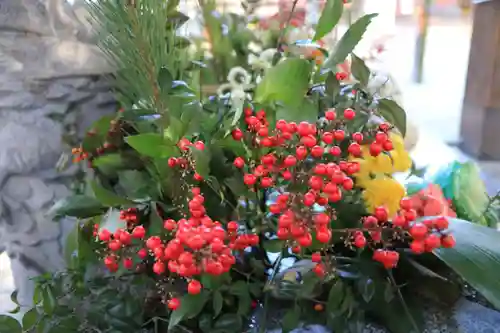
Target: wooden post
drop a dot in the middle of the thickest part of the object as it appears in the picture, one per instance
(423, 9)
(480, 127)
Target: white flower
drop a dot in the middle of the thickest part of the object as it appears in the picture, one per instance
(254, 47)
(267, 55)
(239, 76)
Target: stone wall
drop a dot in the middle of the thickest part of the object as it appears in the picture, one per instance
(51, 86)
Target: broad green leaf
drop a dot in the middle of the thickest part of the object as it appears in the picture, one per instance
(107, 197)
(108, 163)
(348, 41)
(9, 325)
(77, 205)
(29, 319)
(307, 110)
(191, 306)
(71, 246)
(291, 319)
(48, 300)
(152, 145)
(332, 12)
(136, 184)
(335, 296)
(332, 87)
(228, 322)
(100, 129)
(202, 161)
(475, 257)
(217, 303)
(175, 129)
(287, 82)
(165, 80)
(360, 70)
(393, 113)
(239, 288)
(366, 288)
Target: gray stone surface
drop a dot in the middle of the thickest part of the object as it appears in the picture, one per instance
(46, 68)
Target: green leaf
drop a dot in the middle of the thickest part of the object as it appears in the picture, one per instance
(239, 288)
(165, 80)
(175, 130)
(191, 306)
(71, 246)
(202, 161)
(136, 184)
(307, 110)
(228, 323)
(360, 70)
(101, 128)
(108, 163)
(332, 85)
(9, 325)
(349, 41)
(287, 82)
(29, 319)
(152, 145)
(273, 245)
(217, 303)
(332, 12)
(393, 113)
(366, 288)
(107, 197)
(48, 300)
(291, 319)
(77, 205)
(335, 296)
(477, 249)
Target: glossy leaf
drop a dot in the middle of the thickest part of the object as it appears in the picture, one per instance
(287, 82)
(217, 303)
(366, 288)
(307, 110)
(77, 205)
(475, 257)
(332, 85)
(228, 322)
(107, 197)
(165, 79)
(335, 296)
(360, 70)
(393, 113)
(349, 41)
(48, 300)
(152, 145)
(330, 16)
(202, 162)
(108, 163)
(9, 325)
(30, 318)
(191, 306)
(291, 319)
(273, 245)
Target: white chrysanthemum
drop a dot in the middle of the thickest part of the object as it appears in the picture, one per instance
(254, 47)
(239, 76)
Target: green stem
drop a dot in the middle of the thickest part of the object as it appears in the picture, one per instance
(403, 302)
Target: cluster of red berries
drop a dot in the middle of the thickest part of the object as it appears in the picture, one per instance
(186, 160)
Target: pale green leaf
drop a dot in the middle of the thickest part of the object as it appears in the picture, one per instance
(330, 16)
(393, 113)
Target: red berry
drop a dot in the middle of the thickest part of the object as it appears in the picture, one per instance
(128, 263)
(349, 114)
(417, 246)
(375, 149)
(266, 182)
(172, 162)
(308, 141)
(358, 137)
(360, 241)
(411, 215)
(309, 199)
(232, 226)
(290, 161)
(328, 138)
(354, 149)
(418, 231)
(348, 184)
(159, 267)
(316, 183)
(114, 245)
(194, 287)
(432, 242)
(399, 221)
(317, 151)
(441, 223)
(381, 137)
(169, 224)
(239, 162)
(316, 257)
(249, 179)
(387, 145)
(105, 235)
(237, 134)
(319, 270)
(142, 253)
(405, 203)
(173, 304)
(301, 152)
(324, 237)
(287, 175)
(339, 135)
(139, 232)
(335, 151)
(199, 145)
(381, 214)
(330, 114)
(448, 241)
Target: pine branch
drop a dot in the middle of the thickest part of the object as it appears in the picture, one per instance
(136, 40)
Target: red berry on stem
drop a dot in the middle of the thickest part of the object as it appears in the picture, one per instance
(249, 179)
(358, 137)
(418, 231)
(239, 162)
(316, 257)
(330, 114)
(448, 241)
(194, 287)
(237, 134)
(349, 114)
(174, 304)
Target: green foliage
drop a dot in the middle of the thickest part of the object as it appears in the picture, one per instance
(477, 250)
(360, 70)
(287, 82)
(393, 113)
(348, 42)
(332, 12)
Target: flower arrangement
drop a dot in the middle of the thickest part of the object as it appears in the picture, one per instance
(221, 215)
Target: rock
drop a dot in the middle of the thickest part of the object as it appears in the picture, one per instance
(45, 70)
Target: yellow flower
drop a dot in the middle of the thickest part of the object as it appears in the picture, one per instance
(397, 160)
(383, 191)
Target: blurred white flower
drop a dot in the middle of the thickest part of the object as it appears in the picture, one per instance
(254, 47)
(238, 81)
